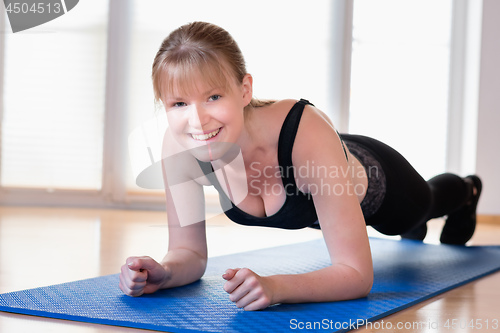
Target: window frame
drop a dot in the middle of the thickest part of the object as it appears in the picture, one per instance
(465, 53)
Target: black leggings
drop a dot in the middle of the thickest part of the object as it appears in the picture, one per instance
(410, 200)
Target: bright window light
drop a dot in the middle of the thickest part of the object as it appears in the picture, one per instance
(399, 78)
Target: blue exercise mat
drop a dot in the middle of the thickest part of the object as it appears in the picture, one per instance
(406, 272)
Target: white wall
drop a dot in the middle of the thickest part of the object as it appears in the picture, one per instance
(488, 121)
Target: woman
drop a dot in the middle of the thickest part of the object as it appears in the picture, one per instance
(278, 164)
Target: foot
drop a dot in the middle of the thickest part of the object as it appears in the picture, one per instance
(461, 224)
(417, 233)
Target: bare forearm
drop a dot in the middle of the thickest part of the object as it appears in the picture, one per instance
(333, 283)
(183, 267)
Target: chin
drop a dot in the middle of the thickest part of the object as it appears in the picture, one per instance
(213, 151)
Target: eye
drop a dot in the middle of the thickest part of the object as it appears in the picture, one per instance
(178, 104)
(214, 98)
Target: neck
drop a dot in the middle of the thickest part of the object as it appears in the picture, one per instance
(248, 144)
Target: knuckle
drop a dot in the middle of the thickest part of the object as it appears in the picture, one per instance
(122, 288)
(253, 282)
(258, 305)
(126, 290)
(136, 278)
(129, 260)
(265, 304)
(144, 259)
(138, 285)
(136, 293)
(227, 287)
(250, 307)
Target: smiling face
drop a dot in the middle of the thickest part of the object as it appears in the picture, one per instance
(206, 116)
(200, 76)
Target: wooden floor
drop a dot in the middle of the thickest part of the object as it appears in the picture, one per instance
(45, 246)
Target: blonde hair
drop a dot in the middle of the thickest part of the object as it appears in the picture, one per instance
(198, 48)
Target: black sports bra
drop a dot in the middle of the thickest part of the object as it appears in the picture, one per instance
(298, 211)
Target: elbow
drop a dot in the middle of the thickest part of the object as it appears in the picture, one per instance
(365, 290)
(362, 283)
(201, 266)
(196, 271)
(365, 286)
(361, 291)
(357, 283)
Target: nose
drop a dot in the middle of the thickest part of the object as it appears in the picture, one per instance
(199, 116)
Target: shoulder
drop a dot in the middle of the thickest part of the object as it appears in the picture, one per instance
(317, 141)
(275, 111)
(269, 118)
(315, 128)
(280, 109)
(265, 122)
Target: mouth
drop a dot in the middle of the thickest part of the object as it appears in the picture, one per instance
(206, 136)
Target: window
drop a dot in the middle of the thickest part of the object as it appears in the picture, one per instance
(53, 102)
(400, 77)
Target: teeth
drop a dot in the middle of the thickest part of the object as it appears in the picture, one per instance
(204, 137)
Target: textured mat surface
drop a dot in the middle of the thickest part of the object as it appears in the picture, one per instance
(406, 273)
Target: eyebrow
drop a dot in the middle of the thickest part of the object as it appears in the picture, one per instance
(208, 92)
(177, 98)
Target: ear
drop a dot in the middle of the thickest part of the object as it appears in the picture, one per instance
(247, 88)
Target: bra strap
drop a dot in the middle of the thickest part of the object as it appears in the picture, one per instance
(286, 140)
